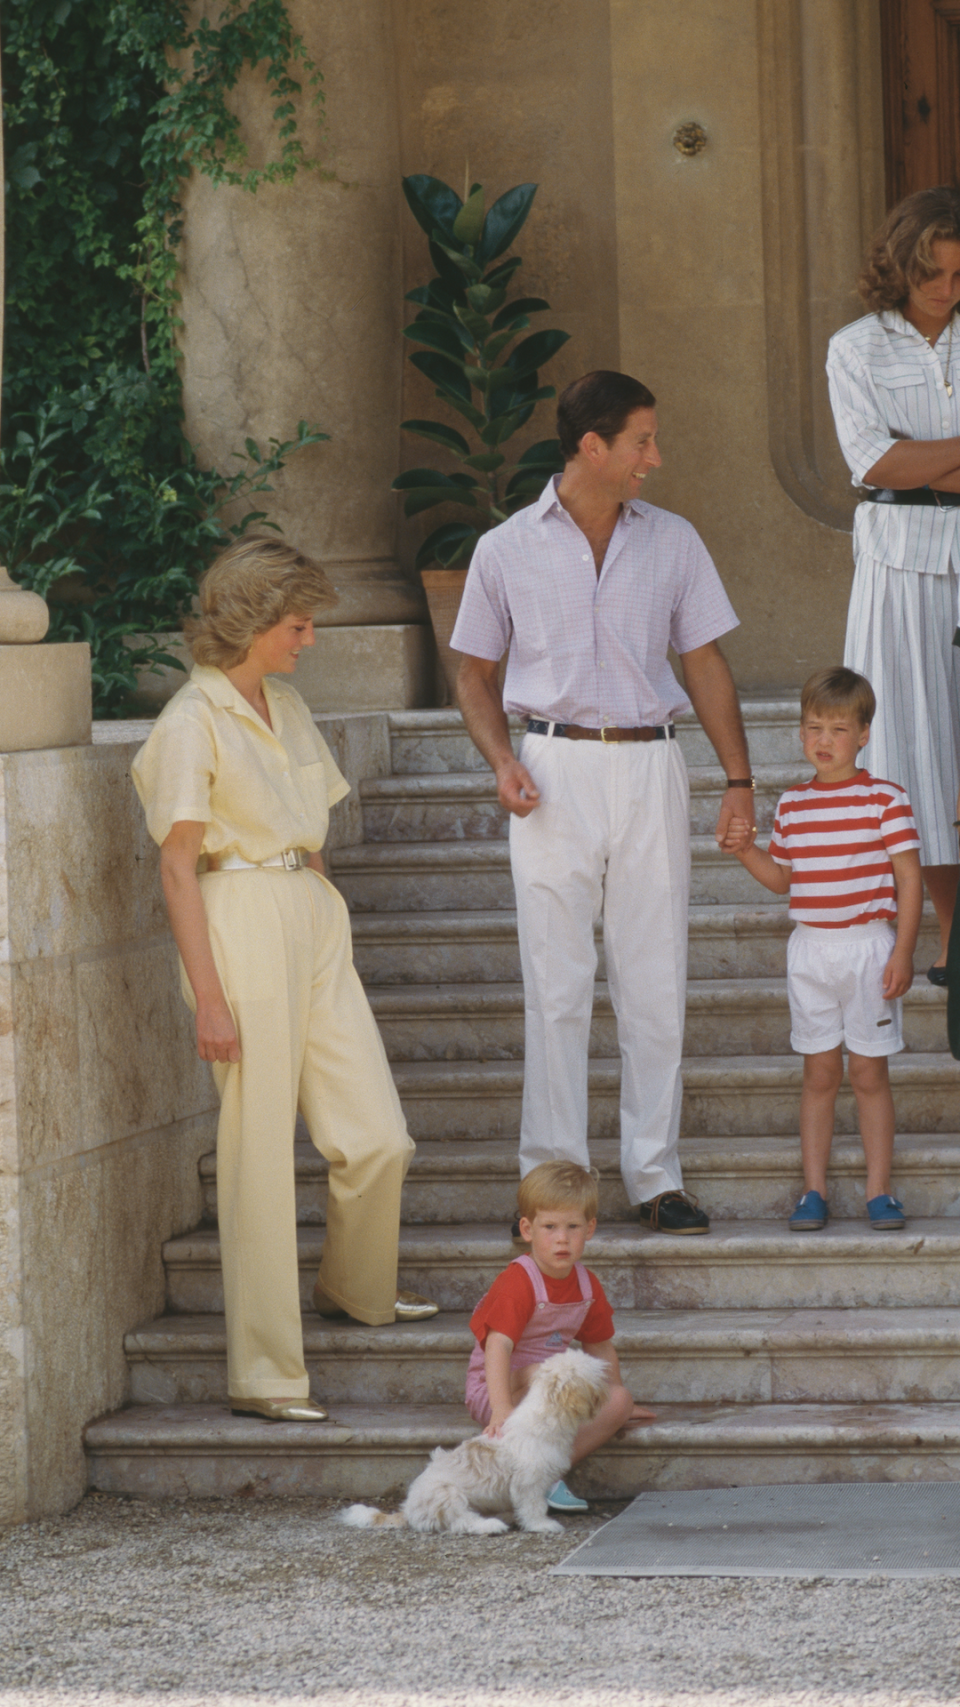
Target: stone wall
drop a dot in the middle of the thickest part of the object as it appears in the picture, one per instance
(716, 277)
(105, 1108)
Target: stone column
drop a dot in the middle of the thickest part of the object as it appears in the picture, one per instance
(292, 303)
(748, 143)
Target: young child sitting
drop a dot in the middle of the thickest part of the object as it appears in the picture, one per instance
(845, 847)
(538, 1305)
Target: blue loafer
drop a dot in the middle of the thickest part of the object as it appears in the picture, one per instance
(561, 1499)
(886, 1211)
(810, 1214)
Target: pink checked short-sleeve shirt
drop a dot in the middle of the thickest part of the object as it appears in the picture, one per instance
(586, 649)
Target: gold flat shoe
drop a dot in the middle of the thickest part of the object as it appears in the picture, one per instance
(280, 1410)
(412, 1308)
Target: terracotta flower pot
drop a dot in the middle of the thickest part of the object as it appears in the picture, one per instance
(444, 590)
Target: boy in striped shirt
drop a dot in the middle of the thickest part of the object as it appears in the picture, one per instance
(845, 846)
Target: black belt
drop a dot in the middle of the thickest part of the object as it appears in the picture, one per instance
(573, 732)
(917, 495)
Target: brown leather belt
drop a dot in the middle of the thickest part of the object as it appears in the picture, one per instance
(573, 732)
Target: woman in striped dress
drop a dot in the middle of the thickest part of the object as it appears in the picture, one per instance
(895, 390)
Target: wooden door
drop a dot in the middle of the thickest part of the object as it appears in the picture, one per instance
(921, 94)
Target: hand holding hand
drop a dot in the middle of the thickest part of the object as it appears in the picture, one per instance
(735, 802)
(740, 836)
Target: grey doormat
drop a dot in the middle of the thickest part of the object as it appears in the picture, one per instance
(845, 1529)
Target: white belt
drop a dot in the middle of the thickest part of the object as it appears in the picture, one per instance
(292, 859)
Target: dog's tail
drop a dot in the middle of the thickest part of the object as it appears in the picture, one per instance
(368, 1517)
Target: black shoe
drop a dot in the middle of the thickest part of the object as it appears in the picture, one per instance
(674, 1212)
(937, 975)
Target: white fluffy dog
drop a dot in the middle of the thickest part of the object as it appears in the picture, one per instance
(513, 1472)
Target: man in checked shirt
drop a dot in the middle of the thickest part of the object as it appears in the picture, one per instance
(587, 588)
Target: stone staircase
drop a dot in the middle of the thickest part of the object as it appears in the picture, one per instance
(770, 1356)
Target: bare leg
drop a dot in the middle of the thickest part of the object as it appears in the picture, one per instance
(822, 1074)
(870, 1078)
(616, 1412)
(941, 882)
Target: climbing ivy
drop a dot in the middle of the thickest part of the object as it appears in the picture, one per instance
(109, 106)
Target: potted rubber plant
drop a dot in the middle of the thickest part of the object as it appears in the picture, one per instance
(485, 370)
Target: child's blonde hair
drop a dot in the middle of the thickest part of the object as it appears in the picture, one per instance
(838, 689)
(559, 1185)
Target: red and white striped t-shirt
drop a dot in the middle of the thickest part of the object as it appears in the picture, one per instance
(837, 838)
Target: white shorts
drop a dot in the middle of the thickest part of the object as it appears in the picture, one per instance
(835, 990)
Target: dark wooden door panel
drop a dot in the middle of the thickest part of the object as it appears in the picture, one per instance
(921, 94)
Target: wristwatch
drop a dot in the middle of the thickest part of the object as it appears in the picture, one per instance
(741, 782)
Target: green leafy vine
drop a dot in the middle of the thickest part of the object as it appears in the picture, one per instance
(109, 106)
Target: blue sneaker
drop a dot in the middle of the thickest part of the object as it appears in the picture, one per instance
(810, 1214)
(886, 1211)
(561, 1499)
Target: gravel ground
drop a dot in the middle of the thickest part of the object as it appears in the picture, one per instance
(231, 1601)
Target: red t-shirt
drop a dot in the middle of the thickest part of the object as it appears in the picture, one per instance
(508, 1306)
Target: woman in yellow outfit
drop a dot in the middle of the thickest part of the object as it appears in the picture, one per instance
(237, 784)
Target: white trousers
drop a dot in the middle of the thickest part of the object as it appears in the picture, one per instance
(610, 838)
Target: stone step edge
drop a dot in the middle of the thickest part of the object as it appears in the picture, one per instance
(493, 852)
(740, 1073)
(438, 1158)
(725, 1333)
(435, 786)
(894, 1427)
(453, 924)
(925, 1238)
(506, 999)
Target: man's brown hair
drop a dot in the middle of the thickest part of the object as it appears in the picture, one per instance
(598, 402)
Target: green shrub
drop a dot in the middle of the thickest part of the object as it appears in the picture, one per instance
(108, 107)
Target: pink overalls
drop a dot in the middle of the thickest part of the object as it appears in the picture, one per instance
(549, 1330)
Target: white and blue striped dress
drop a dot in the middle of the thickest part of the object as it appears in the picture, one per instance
(887, 383)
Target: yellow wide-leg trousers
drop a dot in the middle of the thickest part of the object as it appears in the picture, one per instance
(281, 942)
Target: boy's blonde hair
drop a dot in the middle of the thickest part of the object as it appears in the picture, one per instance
(839, 689)
(559, 1185)
(249, 588)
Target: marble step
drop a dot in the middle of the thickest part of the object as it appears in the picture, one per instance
(666, 1356)
(738, 1265)
(467, 947)
(725, 1016)
(736, 1179)
(462, 805)
(386, 876)
(428, 742)
(723, 1094)
(373, 1452)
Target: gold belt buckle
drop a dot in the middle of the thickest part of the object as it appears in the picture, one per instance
(603, 735)
(292, 859)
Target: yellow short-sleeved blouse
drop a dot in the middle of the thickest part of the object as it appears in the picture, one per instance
(210, 759)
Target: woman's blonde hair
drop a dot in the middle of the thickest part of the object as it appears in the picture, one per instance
(901, 253)
(559, 1185)
(251, 586)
